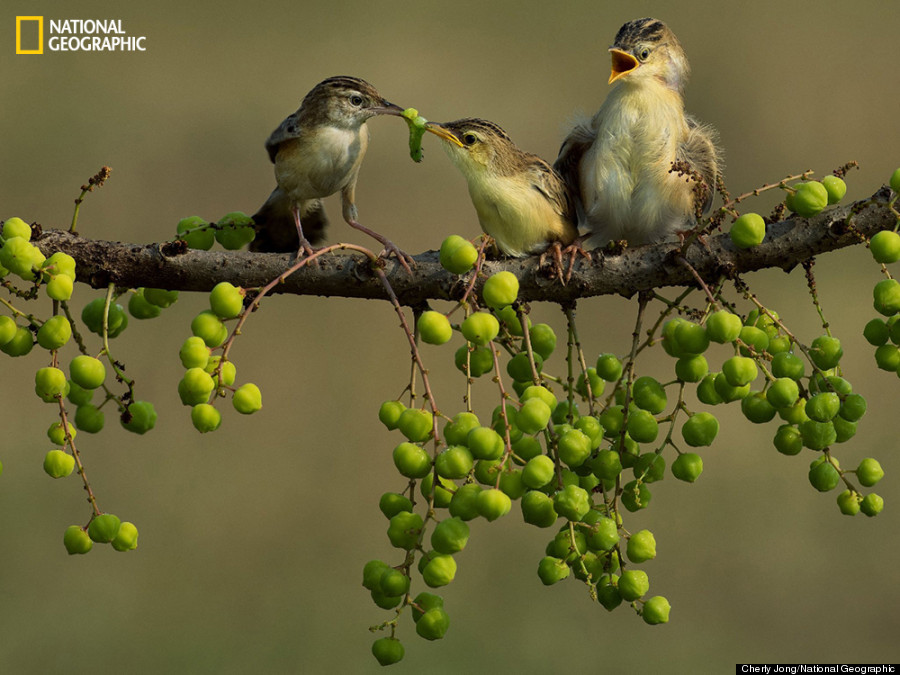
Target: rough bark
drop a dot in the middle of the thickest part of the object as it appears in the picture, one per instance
(173, 266)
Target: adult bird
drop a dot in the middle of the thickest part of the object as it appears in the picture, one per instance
(641, 169)
(317, 151)
(520, 200)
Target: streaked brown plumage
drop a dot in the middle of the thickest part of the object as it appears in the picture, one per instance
(520, 200)
(317, 151)
(619, 164)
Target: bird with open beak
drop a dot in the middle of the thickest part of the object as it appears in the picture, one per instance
(317, 151)
(521, 202)
(641, 169)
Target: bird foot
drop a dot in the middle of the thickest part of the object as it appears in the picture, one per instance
(305, 250)
(390, 249)
(573, 250)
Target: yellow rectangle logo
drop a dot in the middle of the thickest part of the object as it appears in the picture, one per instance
(40, 35)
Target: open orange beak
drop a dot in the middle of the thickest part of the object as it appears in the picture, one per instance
(622, 64)
(441, 131)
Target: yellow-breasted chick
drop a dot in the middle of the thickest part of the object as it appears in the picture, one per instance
(520, 200)
(619, 164)
(317, 151)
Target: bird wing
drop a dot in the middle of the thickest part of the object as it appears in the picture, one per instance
(702, 154)
(549, 183)
(287, 130)
(569, 160)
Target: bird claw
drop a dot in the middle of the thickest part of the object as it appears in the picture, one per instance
(403, 258)
(573, 250)
(305, 250)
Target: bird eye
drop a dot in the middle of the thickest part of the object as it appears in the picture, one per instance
(469, 139)
(356, 100)
(644, 54)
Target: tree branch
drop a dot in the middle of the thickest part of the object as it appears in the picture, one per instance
(173, 266)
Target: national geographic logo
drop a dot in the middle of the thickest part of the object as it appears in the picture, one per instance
(75, 35)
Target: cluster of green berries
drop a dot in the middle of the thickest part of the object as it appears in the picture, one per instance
(104, 528)
(806, 199)
(233, 231)
(209, 376)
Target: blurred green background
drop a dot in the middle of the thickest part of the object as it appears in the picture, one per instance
(253, 538)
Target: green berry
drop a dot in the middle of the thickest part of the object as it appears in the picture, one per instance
(49, 383)
(126, 538)
(89, 418)
(885, 247)
(404, 529)
(205, 418)
(457, 255)
(783, 392)
(687, 467)
(552, 570)
(389, 413)
(574, 448)
(92, 316)
(209, 328)
(648, 394)
(887, 357)
(235, 230)
(372, 573)
(895, 181)
(788, 364)
(485, 443)
(690, 338)
(872, 504)
(493, 504)
(869, 472)
(78, 395)
(633, 584)
(58, 464)
(160, 297)
(393, 583)
(788, 440)
(853, 407)
(456, 432)
(691, 368)
(464, 502)
(481, 360)
(835, 187)
(434, 328)
(450, 536)
(510, 319)
(635, 496)
(519, 366)
(480, 328)
(723, 326)
(887, 297)
(60, 287)
(533, 416)
(226, 300)
(194, 353)
(439, 571)
(876, 332)
(392, 503)
(139, 308)
(656, 610)
(8, 329)
(538, 471)
(596, 382)
(104, 528)
(609, 367)
(388, 651)
(55, 332)
(59, 264)
(641, 546)
(824, 477)
(739, 371)
(416, 424)
(454, 462)
(823, 406)
(139, 417)
(848, 502)
(385, 601)
(423, 602)
(76, 540)
(500, 290)
(817, 435)
(433, 624)
(411, 460)
(706, 390)
(755, 338)
(538, 509)
(642, 426)
(825, 351)
(809, 199)
(748, 230)
(700, 430)
(197, 384)
(196, 233)
(572, 502)
(543, 339)
(87, 372)
(16, 227)
(57, 434)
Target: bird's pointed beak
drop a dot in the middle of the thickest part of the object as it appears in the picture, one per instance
(622, 64)
(387, 108)
(443, 132)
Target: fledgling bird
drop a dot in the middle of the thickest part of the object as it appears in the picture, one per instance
(641, 166)
(520, 200)
(317, 151)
